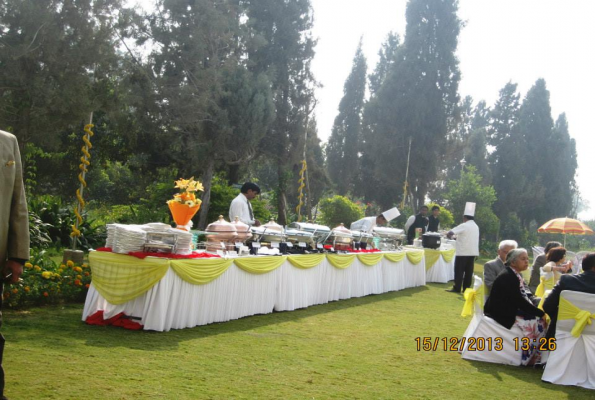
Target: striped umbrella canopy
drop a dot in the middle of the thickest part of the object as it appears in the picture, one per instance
(567, 226)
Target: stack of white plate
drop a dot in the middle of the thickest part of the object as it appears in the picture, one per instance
(184, 244)
(128, 238)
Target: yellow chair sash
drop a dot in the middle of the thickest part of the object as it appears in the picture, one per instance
(415, 257)
(395, 257)
(370, 259)
(306, 261)
(543, 285)
(431, 257)
(200, 272)
(567, 310)
(448, 255)
(341, 261)
(120, 278)
(260, 265)
(472, 296)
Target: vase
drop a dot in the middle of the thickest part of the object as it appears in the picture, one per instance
(182, 213)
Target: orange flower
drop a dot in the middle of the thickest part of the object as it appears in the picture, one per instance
(87, 286)
(26, 288)
(86, 274)
(70, 263)
(77, 282)
(15, 290)
(46, 294)
(78, 269)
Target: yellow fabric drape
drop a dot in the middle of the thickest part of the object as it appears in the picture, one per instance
(395, 257)
(120, 278)
(544, 284)
(200, 272)
(415, 257)
(448, 255)
(306, 261)
(260, 265)
(370, 259)
(341, 261)
(472, 296)
(431, 257)
(567, 310)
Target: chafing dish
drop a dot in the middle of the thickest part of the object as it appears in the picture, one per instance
(220, 232)
(242, 229)
(362, 237)
(340, 238)
(269, 232)
(319, 232)
(297, 236)
(390, 238)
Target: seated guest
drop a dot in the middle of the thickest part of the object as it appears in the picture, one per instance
(510, 303)
(538, 263)
(492, 269)
(584, 282)
(555, 266)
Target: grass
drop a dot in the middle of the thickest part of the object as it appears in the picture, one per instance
(360, 348)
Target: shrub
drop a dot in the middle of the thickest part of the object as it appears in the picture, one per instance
(339, 209)
(44, 282)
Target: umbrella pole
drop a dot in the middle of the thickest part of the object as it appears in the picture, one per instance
(564, 240)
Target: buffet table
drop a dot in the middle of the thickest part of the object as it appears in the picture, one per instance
(440, 265)
(163, 294)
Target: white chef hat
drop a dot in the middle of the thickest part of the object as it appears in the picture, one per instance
(470, 209)
(391, 214)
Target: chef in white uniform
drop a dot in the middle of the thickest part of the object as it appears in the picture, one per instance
(367, 224)
(467, 249)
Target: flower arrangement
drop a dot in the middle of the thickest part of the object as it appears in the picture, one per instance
(184, 205)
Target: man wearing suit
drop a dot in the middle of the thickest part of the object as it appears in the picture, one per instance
(492, 269)
(14, 222)
(539, 262)
(584, 282)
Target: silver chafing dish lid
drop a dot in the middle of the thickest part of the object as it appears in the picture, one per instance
(387, 232)
(295, 232)
(361, 234)
(262, 230)
(308, 227)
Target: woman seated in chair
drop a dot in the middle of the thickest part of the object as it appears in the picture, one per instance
(555, 266)
(511, 303)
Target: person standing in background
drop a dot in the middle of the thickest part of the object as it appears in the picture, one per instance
(241, 207)
(433, 221)
(467, 249)
(416, 221)
(14, 223)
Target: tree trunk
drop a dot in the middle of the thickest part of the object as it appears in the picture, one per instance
(234, 174)
(206, 197)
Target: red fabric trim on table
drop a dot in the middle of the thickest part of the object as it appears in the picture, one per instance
(364, 251)
(142, 255)
(120, 320)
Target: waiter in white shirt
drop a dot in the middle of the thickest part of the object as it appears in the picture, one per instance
(241, 207)
(368, 223)
(467, 249)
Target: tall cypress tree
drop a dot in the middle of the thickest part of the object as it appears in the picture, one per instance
(282, 46)
(417, 100)
(345, 141)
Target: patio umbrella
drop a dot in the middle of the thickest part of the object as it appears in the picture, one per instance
(566, 226)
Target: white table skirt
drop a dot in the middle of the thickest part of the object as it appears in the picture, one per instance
(441, 271)
(175, 304)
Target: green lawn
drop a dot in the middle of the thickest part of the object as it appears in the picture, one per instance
(359, 349)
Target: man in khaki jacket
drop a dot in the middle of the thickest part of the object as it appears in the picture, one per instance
(14, 222)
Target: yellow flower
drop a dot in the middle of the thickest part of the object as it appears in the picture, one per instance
(26, 288)
(85, 265)
(55, 275)
(37, 268)
(79, 277)
(183, 183)
(28, 265)
(46, 274)
(62, 266)
(78, 269)
(193, 186)
(70, 263)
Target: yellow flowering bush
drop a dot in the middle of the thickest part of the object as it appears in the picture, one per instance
(43, 281)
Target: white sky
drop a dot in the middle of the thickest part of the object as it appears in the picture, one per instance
(504, 40)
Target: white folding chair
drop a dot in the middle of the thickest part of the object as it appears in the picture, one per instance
(573, 360)
(477, 308)
(537, 251)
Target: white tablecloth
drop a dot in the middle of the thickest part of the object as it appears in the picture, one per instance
(175, 304)
(441, 271)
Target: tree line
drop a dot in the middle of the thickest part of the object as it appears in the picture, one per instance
(223, 90)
